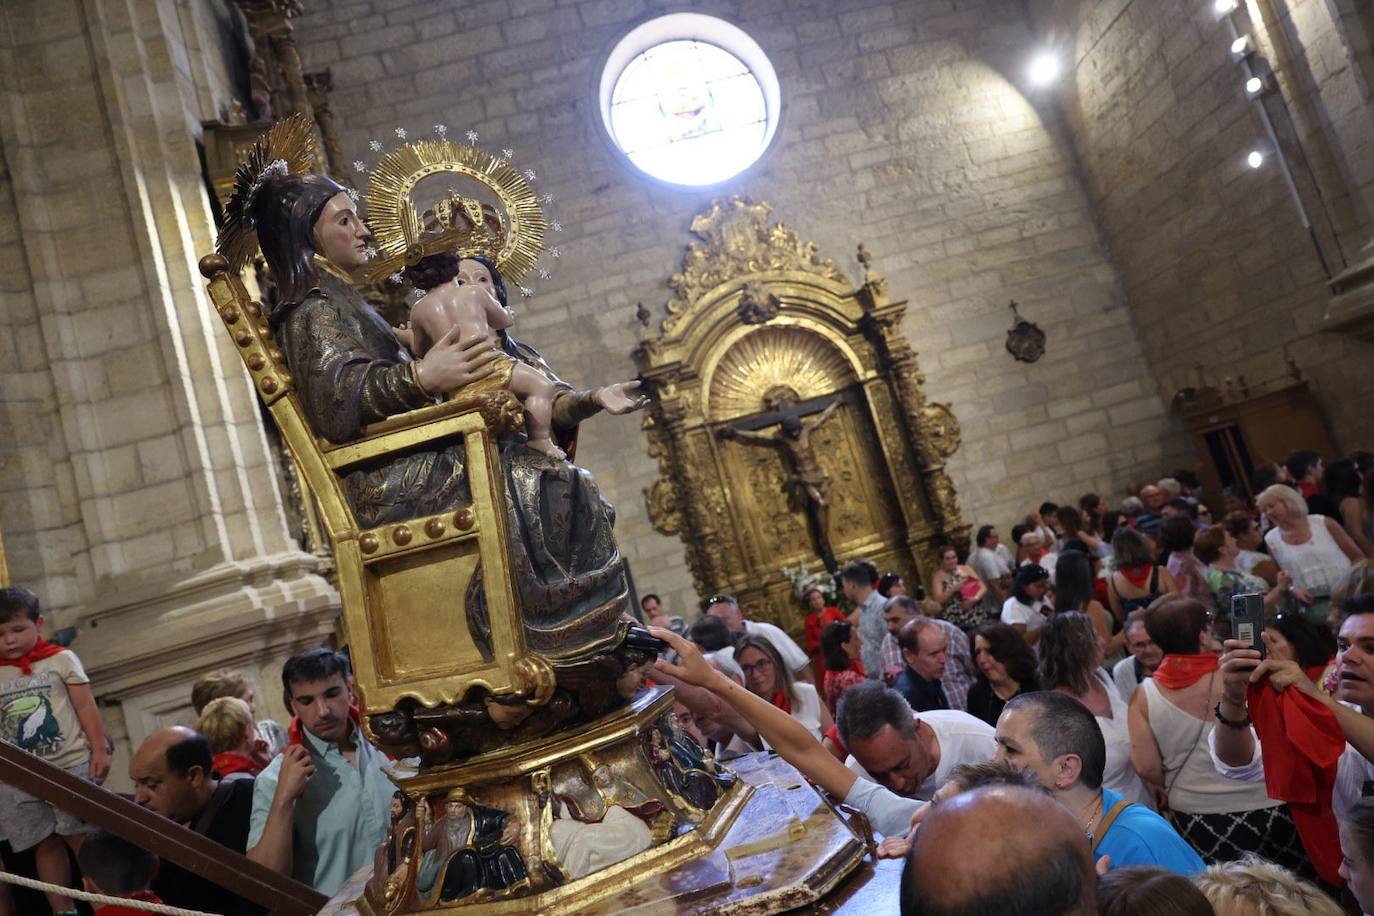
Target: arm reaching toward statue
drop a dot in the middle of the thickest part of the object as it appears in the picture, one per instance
(786, 735)
(889, 813)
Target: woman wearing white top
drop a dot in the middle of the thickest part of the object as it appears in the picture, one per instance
(1025, 608)
(766, 676)
(1171, 717)
(1313, 549)
(1071, 662)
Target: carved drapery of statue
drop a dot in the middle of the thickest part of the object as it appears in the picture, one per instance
(757, 315)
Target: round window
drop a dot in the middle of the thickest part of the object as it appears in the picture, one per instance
(689, 99)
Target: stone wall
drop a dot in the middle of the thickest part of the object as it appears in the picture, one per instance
(903, 128)
(1215, 262)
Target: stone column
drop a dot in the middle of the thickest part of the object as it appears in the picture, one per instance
(161, 474)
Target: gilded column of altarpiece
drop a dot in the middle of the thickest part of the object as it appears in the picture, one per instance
(756, 314)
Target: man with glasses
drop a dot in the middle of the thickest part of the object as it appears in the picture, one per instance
(727, 609)
(1143, 660)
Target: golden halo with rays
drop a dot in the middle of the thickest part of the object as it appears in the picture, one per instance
(772, 357)
(391, 209)
(290, 140)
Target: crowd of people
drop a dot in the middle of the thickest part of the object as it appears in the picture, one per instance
(309, 800)
(1093, 660)
(1085, 680)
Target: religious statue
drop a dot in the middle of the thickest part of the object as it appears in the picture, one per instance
(613, 821)
(469, 848)
(351, 370)
(681, 765)
(459, 304)
(395, 858)
(808, 487)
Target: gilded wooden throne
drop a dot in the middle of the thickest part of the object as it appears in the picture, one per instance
(756, 312)
(397, 581)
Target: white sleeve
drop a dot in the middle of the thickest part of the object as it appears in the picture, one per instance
(1014, 612)
(889, 813)
(1250, 772)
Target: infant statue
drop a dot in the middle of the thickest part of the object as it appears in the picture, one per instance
(460, 305)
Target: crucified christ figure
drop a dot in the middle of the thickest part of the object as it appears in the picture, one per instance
(808, 487)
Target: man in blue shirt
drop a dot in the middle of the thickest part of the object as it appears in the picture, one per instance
(321, 808)
(1056, 738)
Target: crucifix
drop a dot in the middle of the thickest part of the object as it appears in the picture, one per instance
(807, 487)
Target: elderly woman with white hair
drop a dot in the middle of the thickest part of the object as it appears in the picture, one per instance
(1313, 549)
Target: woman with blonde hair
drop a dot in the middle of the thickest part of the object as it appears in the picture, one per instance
(1313, 549)
(1254, 887)
(766, 676)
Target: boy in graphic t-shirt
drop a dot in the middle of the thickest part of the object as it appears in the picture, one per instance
(47, 709)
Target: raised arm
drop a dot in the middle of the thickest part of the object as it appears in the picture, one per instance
(786, 735)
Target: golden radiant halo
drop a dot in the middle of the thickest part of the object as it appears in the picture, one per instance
(391, 212)
(290, 140)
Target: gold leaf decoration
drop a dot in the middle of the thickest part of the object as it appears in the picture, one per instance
(735, 240)
(394, 179)
(772, 357)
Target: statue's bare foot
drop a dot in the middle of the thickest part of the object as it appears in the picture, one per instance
(548, 448)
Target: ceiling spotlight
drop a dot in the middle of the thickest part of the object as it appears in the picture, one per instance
(1044, 69)
(1242, 47)
(1255, 159)
(1224, 6)
(1254, 86)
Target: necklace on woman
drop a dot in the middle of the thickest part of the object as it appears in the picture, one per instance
(1094, 812)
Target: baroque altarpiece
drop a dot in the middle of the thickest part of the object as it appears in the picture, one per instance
(763, 333)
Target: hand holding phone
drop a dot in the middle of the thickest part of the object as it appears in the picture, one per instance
(1247, 620)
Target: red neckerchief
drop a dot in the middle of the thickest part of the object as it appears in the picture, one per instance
(1302, 743)
(780, 701)
(41, 650)
(295, 732)
(229, 763)
(1037, 556)
(1137, 575)
(1179, 671)
(1308, 489)
(116, 910)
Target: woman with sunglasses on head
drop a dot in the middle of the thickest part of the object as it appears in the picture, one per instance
(766, 676)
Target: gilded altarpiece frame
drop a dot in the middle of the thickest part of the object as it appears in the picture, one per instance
(755, 310)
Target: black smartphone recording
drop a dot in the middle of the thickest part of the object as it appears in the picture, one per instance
(1247, 620)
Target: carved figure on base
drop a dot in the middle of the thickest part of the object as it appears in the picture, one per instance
(470, 848)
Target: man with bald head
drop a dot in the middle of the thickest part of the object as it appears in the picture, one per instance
(965, 861)
(172, 772)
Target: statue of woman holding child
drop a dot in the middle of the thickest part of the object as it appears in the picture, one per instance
(351, 370)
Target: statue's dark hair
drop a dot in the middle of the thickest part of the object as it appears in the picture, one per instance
(285, 211)
(434, 270)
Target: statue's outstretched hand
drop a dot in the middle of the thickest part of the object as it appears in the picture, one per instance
(449, 365)
(620, 398)
(692, 667)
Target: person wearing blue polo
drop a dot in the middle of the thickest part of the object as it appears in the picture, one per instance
(321, 808)
(1055, 737)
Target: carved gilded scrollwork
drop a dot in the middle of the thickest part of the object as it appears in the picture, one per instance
(735, 241)
(757, 305)
(761, 331)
